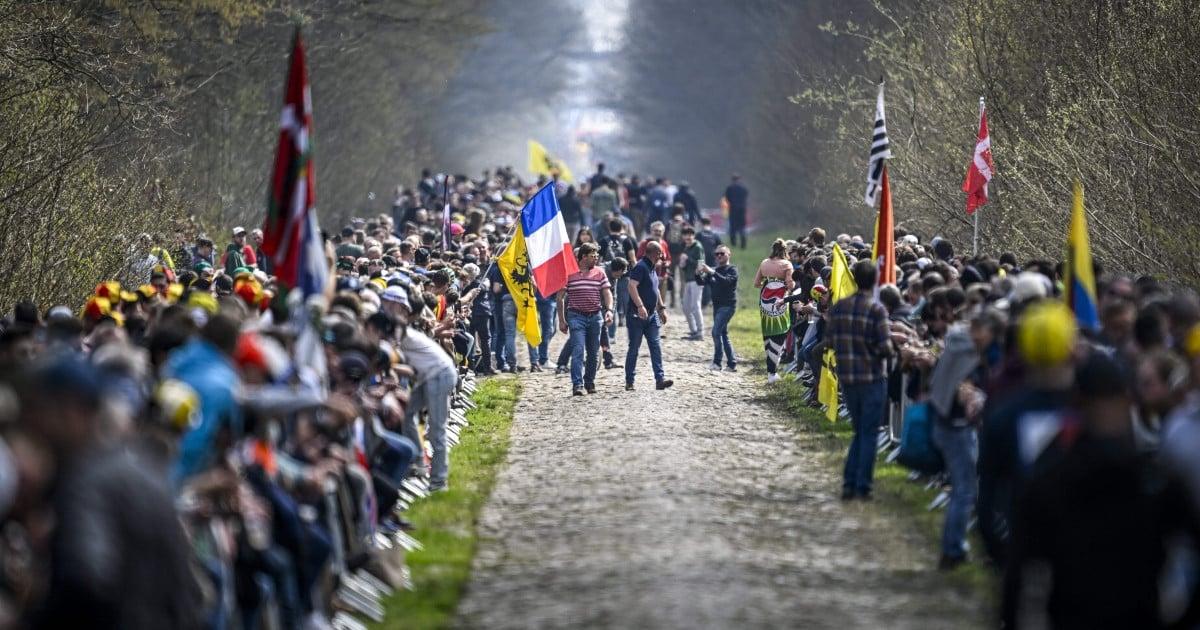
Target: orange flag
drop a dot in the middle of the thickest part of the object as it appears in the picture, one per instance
(883, 251)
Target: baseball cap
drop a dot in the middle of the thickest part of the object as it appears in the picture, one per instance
(396, 295)
(239, 230)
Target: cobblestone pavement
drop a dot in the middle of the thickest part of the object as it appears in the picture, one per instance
(695, 507)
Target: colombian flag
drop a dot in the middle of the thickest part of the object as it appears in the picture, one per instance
(1078, 274)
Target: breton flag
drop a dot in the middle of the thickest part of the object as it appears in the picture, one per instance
(550, 254)
(1079, 278)
(291, 236)
(542, 163)
(979, 171)
(879, 152)
(883, 250)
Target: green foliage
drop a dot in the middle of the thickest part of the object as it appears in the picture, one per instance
(127, 117)
(446, 521)
(1097, 91)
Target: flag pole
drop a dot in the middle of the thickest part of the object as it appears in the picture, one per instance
(975, 233)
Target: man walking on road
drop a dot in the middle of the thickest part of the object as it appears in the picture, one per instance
(858, 333)
(647, 314)
(737, 196)
(690, 260)
(583, 307)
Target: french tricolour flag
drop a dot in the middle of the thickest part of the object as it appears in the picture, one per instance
(550, 255)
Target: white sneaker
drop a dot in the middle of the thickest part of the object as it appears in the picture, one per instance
(715, 367)
(772, 379)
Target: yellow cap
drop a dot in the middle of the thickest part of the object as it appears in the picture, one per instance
(1046, 334)
(1191, 342)
(179, 404)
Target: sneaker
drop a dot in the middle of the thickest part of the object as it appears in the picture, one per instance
(772, 379)
(578, 391)
(560, 370)
(663, 384)
(732, 368)
(608, 365)
(628, 387)
(591, 389)
(715, 367)
(535, 368)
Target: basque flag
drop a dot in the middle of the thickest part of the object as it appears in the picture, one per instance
(551, 257)
(291, 236)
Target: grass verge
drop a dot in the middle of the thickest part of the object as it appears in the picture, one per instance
(894, 493)
(446, 522)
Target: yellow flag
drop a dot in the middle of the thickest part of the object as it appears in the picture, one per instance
(542, 163)
(514, 268)
(841, 281)
(841, 285)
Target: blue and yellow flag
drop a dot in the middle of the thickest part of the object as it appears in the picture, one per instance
(514, 268)
(1079, 278)
(542, 163)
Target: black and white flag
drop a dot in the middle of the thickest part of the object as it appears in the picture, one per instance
(879, 152)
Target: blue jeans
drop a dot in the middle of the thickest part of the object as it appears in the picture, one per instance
(585, 339)
(434, 394)
(960, 451)
(499, 339)
(639, 328)
(547, 318)
(720, 335)
(509, 309)
(620, 305)
(393, 456)
(865, 402)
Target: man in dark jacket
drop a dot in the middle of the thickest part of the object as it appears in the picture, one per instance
(723, 280)
(691, 209)
(737, 197)
(572, 211)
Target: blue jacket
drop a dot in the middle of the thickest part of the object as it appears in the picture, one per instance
(210, 373)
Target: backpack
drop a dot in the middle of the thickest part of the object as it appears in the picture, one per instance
(611, 248)
(917, 450)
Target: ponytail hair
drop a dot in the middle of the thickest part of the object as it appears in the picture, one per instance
(778, 249)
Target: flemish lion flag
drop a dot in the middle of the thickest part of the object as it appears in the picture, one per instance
(542, 163)
(514, 268)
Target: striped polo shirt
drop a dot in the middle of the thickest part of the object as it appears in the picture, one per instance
(583, 290)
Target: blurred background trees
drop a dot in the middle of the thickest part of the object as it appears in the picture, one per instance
(127, 117)
(130, 117)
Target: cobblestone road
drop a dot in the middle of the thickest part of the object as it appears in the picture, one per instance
(695, 507)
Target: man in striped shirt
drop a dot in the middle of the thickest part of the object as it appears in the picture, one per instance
(583, 306)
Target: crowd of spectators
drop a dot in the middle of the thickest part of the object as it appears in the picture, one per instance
(1074, 452)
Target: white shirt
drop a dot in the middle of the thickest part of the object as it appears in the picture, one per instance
(424, 355)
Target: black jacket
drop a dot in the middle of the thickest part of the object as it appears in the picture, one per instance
(723, 281)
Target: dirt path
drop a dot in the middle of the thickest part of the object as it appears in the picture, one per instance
(697, 507)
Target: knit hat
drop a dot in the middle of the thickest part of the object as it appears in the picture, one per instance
(110, 289)
(1046, 334)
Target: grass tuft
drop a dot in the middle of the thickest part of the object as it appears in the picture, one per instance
(446, 522)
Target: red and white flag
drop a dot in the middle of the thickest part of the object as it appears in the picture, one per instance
(979, 171)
